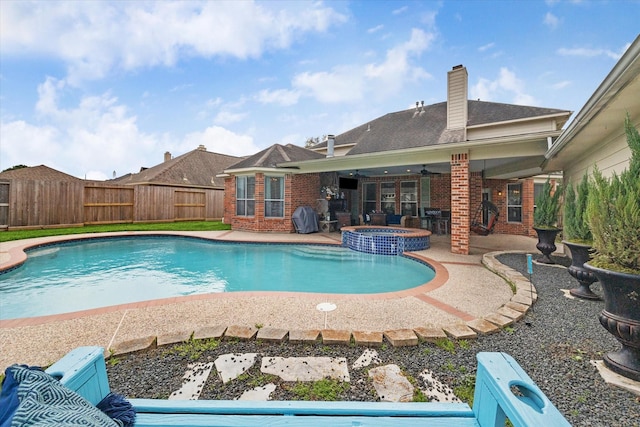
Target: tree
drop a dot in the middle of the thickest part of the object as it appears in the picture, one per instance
(313, 141)
(15, 167)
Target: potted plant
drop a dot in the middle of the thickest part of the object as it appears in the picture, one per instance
(578, 238)
(545, 220)
(613, 214)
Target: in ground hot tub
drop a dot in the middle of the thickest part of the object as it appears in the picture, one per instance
(381, 240)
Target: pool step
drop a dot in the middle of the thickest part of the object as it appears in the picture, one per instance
(324, 252)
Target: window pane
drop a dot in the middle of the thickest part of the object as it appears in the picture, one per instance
(251, 187)
(251, 209)
(515, 194)
(370, 192)
(273, 187)
(274, 209)
(241, 188)
(515, 214)
(369, 207)
(240, 210)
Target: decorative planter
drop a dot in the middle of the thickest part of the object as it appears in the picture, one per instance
(546, 243)
(580, 253)
(621, 317)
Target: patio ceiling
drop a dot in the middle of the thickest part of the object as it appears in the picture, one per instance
(498, 158)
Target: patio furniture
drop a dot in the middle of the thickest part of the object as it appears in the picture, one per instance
(378, 219)
(489, 211)
(502, 390)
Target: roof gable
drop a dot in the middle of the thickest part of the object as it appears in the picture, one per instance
(270, 157)
(427, 126)
(195, 168)
(42, 172)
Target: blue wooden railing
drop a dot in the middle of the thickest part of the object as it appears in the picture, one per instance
(503, 390)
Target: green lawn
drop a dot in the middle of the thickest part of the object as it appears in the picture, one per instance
(6, 236)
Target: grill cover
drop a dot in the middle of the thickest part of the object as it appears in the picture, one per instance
(305, 220)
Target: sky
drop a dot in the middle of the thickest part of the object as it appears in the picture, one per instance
(98, 89)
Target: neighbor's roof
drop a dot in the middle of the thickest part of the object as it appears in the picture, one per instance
(428, 126)
(271, 156)
(41, 173)
(195, 168)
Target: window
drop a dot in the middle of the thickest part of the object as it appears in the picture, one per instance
(388, 197)
(245, 189)
(425, 192)
(369, 197)
(409, 198)
(273, 196)
(514, 202)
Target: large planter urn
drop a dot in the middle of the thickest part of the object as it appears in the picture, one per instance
(580, 253)
(546, 243)
(621, 317)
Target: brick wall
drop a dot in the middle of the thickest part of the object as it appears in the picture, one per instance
(460, 181)
(498, 188)
(299, 190)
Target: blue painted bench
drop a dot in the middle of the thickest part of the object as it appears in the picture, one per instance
(84, 371)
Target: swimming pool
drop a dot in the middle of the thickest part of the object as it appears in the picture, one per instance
(94, 273)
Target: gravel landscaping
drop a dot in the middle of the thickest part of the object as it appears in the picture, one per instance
(554, 344)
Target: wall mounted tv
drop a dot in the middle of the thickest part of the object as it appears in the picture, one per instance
(348, 183)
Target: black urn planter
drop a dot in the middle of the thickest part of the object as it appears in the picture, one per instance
(580, 253)
(546, 243)
(621, 317)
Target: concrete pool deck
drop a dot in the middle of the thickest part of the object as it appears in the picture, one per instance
(464, 300)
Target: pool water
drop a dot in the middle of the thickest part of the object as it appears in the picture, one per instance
(102, 272)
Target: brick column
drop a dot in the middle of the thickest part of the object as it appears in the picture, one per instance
(460, 203)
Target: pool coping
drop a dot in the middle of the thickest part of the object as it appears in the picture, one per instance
(466, 327)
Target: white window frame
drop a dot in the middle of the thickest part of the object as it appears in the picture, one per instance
(247, 201)
(269, 201)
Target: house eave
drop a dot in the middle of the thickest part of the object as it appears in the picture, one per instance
(564, 114)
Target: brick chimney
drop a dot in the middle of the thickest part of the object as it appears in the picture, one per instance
(457, 90)
(167, 156)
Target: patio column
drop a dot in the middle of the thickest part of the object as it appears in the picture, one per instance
(460, 203)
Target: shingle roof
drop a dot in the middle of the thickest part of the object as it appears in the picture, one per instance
(410, 129)
(271, 156)
(41, 172)
(198, 168)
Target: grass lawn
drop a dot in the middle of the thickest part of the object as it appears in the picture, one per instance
(6, 236)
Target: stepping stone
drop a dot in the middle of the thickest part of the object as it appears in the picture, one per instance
(507, 312)
(241, 332)
(331, 336)
(232, 365)
(401, 337)
(310, 336)
(271, 334)
(216, 331)
(390, 384)
(369, 339)
(306, 368)
(516, 306)
(173, 338)
(435, 390)
(193, 381)
(522, 299)
(367, 358)
(460, 332)
(499, 319)
(132, 345)
(567, 294)
(430, 334)
(259, 393)
(482, 326)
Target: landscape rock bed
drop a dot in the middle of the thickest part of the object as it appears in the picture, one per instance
(554, 343)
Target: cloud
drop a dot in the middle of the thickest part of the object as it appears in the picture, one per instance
(95, 38)
(507, 87)
(280, 97)
(227, 118)
(486, 47)
(551, 21)
(561, 85)
(400, 10)
(341, 84)
(592, 53)
(375, 29)
(97, 136)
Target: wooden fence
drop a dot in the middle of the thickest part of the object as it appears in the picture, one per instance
(34, 203)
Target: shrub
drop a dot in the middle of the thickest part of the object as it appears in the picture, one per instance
(613, 212)
(575, 225)
(547, 207)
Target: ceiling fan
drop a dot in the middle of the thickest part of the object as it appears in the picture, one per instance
(425, 172)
